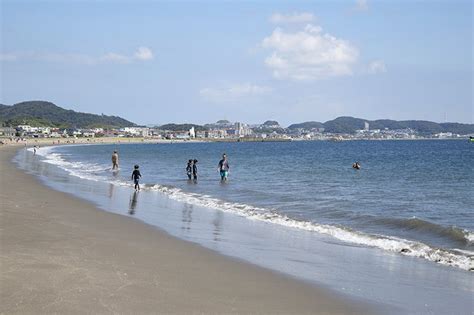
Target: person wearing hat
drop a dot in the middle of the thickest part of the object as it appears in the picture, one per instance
(136, 175)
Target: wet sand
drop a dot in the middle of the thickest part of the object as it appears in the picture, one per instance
(60, 254)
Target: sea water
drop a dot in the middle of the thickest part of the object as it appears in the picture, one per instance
(398, 231)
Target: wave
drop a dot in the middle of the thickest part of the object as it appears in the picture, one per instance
(460, 258)
(450, 232)
(89, 171)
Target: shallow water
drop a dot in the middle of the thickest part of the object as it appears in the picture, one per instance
(399, 231)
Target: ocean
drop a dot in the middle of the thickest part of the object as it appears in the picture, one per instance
(399, 231)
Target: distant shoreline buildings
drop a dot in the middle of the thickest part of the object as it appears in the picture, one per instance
(224, 131)
(40, 119)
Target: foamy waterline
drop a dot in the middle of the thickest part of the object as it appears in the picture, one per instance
(454, 257)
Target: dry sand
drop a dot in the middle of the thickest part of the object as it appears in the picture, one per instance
(60, 254)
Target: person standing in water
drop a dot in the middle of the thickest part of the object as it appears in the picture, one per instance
(223, 167)
(115, 158)
(189, 169)
(136, 175)
(195, 170)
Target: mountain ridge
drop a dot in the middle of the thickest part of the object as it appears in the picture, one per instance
(43, 113)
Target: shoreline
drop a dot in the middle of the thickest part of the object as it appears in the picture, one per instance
(28, 142)
(75, 257)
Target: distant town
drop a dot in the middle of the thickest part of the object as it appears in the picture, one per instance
(223, 130)
(41, 119)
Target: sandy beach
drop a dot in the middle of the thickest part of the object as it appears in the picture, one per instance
(60, 254)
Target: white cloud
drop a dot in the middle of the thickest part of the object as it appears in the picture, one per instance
(8, 57)
(377, 66)
(304, 17)
(113, 57)
(65, 57)
(143, 53)
(361, 5)
(234, 92)
(308, 54)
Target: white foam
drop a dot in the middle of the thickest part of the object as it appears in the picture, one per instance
(469, 236)
(461, 259)
(78, 169)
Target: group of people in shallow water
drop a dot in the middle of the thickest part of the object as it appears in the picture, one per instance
(191, 169)
(223, 168)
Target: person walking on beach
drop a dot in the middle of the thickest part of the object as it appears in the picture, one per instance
(223, 167)
(115, 158)
(189, 169)
(136, 175)
(195, 170)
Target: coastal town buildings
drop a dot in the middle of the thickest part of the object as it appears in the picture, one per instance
(224, 131)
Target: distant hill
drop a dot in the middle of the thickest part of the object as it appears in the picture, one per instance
(307, 125)
(223, 122)
(182, 127)
(351, 124)
(271, 123)
(344, 125)
(40, 113)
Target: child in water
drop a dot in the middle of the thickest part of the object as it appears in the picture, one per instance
(136, 177)
(189, 169)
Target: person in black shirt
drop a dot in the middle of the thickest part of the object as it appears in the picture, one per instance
(195, 170)
(136, 177)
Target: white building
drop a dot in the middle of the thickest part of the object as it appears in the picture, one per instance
(218, 133)
(7, 131)
(242, 130)
(192, 133)
(136, 131)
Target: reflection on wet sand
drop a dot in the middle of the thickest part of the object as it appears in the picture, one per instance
(111, 190)
(133, 203)
(217, 222)
(187, 218)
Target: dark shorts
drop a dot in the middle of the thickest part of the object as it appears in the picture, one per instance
(136, 180)
(224, 174)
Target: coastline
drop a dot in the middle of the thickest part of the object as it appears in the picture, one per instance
(62, 254)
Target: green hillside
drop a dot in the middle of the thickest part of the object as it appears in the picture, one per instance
(307, 125)
(182, 127)
(40, 113)
(351, 124)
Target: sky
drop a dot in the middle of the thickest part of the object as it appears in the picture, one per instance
(155, 62)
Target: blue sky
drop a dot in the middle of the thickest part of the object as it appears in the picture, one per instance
(200, 61)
